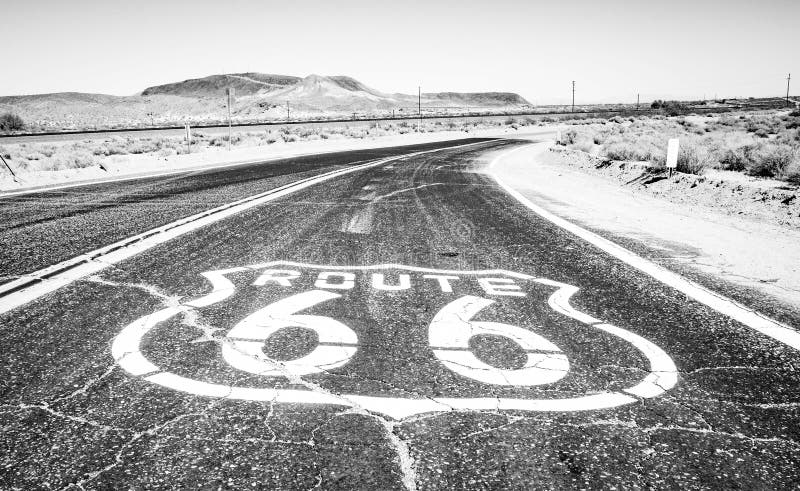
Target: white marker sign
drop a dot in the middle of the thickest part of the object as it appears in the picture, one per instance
(672, 153)
(430, 321)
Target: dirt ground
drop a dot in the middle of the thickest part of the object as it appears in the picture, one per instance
(741, 229)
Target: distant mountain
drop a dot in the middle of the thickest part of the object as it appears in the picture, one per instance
(259, 96)
(213, 85)
(325, 93)
(479, 98)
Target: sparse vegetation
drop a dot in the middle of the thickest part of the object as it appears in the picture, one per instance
(11, 122)
(763, 145)
(87, 153)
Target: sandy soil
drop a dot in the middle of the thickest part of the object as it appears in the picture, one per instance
(758, 248)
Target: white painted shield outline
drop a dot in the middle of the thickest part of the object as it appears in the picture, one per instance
(125, 350)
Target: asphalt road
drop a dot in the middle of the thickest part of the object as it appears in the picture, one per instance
(405, 326)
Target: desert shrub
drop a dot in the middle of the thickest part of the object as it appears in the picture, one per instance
(11, 122)
(569, 136)
(48, 150)
(792, 171)
(693, 158)
(584, 145)
(626, 151)
(644, 148)
(74, 159)
(290, 137)
(771, 159)
(735, 158)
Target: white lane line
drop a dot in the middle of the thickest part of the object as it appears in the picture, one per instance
(34, 285)
(772, 328)
(393, 193)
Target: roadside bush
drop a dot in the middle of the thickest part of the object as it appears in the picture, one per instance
(569, 137)
(792, 172)
(736, 158)
(11, 122)
(643, 149)
(584, 145)
(771, 160)
(693, 158)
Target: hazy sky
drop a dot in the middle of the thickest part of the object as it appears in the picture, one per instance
(613, 49)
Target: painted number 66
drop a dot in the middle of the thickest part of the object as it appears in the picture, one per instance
(449, 336)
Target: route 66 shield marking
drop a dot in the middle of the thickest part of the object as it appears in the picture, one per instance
(438, 316)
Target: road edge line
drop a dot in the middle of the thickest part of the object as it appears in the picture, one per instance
(722, 304)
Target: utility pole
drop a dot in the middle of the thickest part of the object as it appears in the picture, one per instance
(788, 80)
(419, 107)
(637, 102)
(287, 110)
(573, 96)
(230, 97)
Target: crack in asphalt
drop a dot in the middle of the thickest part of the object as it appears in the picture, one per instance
(118, 459)
(403, 454)
(400, 447)
(88, 385)
(49, 410)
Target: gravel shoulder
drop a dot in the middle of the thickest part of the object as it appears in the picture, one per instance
(739, 230)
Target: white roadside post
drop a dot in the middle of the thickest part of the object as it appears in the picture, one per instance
(188, 138)
(558, 137)
(672, 155)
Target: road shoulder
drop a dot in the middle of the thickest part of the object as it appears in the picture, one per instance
(751, 254)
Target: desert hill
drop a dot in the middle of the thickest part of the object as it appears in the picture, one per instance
(213, 85)
(259, 97)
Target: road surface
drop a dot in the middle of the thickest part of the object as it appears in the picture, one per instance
(404, 323)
